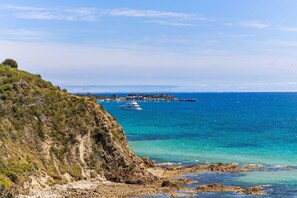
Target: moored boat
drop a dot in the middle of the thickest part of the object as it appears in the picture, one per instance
(133, 105)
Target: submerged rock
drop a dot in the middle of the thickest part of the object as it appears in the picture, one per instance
(215, 187)
(219, 167)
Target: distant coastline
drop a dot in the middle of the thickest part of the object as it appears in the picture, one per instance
(138, 97)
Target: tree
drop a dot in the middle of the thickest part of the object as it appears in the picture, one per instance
(10, 63)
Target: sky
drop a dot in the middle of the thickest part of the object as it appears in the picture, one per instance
(154, 45)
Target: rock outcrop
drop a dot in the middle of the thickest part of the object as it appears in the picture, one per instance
(215, 187)
(48, 136)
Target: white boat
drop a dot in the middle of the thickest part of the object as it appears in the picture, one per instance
(133, 105)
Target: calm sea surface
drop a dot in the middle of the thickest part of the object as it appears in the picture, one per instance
(246, 128)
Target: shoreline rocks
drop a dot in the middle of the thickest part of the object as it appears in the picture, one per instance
(216, 187)
(171, 171)
(168, 183)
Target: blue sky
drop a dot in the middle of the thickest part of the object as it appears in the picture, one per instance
(189, 45)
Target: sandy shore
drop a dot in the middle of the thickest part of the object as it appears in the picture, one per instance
(168, 183)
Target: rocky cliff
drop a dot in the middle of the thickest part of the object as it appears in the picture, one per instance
(48, 136)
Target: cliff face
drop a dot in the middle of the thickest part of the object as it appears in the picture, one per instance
(48, 136)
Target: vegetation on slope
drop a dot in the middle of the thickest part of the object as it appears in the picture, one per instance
(48, 136)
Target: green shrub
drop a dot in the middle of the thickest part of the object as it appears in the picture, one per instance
(4, 96)
(98, 134)
(59, 153)
(40, 131)
(7, 87)
(75, 171)
(10, 63)
(12, 176)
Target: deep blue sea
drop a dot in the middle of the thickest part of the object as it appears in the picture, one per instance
(245, 128)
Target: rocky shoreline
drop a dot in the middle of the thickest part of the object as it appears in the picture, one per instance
(167, 181)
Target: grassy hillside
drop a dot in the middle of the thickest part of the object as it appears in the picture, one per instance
(48, 136)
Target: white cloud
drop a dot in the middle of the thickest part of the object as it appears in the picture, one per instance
(22, 8)
(154, 14)
(170, 23)
(177, 19)
(144, 13)
(93, 14)
(69, 14)
(254, 24)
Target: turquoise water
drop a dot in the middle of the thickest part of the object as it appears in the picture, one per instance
(247, 128)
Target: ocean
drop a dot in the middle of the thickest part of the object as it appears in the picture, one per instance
(244, 128)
